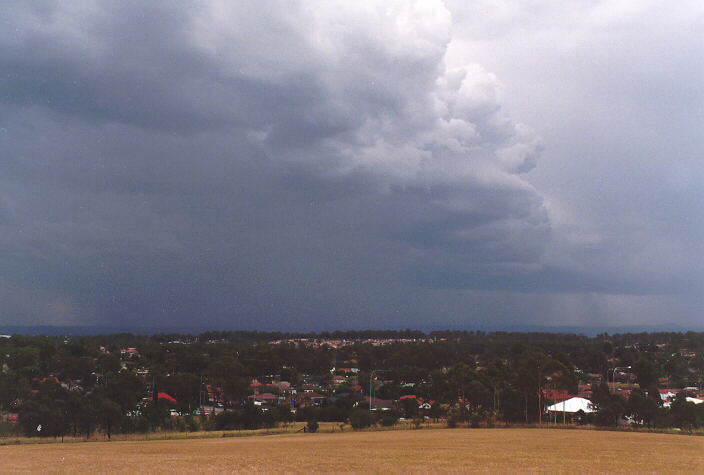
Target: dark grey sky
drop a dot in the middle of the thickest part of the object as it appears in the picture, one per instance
(302, 166)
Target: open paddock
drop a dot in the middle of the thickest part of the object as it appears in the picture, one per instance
(397, 451)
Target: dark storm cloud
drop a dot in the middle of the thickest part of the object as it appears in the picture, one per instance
(266, 166)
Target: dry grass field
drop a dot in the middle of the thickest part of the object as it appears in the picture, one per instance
(527, 450)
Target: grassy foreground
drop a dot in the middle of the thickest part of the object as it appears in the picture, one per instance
(417, 450)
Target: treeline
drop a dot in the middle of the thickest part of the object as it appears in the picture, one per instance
(78, 385)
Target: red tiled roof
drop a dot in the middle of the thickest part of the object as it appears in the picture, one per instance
(166, 397)
(557, 395)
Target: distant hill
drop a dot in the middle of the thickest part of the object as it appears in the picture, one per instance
(32, 330)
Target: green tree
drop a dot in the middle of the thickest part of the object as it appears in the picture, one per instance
(409, 408)
(109, 363)
(536, 370)
(109, 416)
(75, 405)
(641, 408)
(156, 413)
(125, 389)
(683, 413)
(497, 374)
(456, 415)
(231, 375)
(33, 416)
(646, 371)
(610, 408)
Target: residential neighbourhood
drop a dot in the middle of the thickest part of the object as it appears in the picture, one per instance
(127, 383)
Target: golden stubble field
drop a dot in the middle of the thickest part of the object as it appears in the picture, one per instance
(426, 450)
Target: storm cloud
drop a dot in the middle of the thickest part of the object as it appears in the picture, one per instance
(285, 165)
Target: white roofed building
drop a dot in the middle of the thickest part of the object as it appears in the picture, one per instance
(572, 405)
(566, 409)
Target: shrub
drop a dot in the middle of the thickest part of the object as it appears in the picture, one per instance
(475, 419)
(192, 424)
(454, 417)
(245, 417)
(389, 419)
(180, 425)
(417, 421)
(360, 418)
(7, 429)
(312, 426)
(327, 414)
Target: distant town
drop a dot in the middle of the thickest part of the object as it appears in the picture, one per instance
(123, 383)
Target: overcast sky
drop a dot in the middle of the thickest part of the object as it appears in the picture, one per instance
(339, 165)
